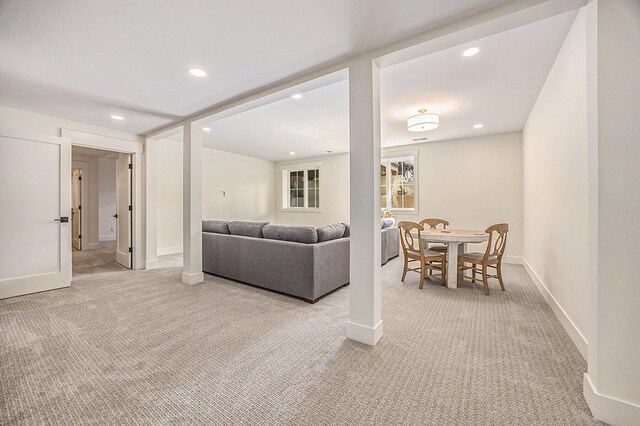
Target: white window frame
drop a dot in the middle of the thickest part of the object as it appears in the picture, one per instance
(285, 170)
(395, 157)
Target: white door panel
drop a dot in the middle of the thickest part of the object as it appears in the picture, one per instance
(35, 182)
(123, 201)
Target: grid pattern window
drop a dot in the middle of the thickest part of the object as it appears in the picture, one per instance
(398, 185)
(301, 187)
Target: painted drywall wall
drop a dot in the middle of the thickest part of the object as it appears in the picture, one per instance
(472, 183)
(334, 193)
(106, 198)
(248, 184)
(556, 185)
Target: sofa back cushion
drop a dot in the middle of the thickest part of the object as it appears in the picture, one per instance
(347, 230)
(331, 232)
(247, 229)
(215, 226)
(293, 233)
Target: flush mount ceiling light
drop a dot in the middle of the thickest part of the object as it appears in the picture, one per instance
(478, 126)
(470, 51)
(206, 129)
(117, 117)
(423, 121)
(296, 96)
(327, 152)
(292, 153)
(197, 72)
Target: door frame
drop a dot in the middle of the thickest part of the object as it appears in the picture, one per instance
(125, 146)
(80, 203)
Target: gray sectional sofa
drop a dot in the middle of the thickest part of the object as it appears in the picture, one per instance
(302, 261)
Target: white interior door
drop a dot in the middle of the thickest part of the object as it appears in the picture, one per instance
(124, 251)
(35, 205)
(76, 209)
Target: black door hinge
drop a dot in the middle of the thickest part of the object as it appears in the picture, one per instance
(79, 177)
(130, 166)
(130, 249)
(79, 236)
(130, 208)
(79, 207)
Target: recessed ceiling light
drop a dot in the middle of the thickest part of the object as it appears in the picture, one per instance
(292, 153)
(197, 72)
(206, 129)
(470, 51)
(478, 126)
(117, 117)
(296, 96)
(327, 152)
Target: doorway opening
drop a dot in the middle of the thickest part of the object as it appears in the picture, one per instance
(102, 211)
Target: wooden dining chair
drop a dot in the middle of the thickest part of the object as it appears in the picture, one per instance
(411, 239)
(491, 258)
(433, 223)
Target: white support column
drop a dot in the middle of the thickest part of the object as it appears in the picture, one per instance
(365, 323)
(192, 207)
(151, 207)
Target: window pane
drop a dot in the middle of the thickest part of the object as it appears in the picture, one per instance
(312, 198)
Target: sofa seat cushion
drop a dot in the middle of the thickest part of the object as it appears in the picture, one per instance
(247, 229)
(293, 233)
(331, 232)
(215, 226)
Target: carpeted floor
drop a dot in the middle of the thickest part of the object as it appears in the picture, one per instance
(139, 347)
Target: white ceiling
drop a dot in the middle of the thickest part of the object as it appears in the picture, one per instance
(85, 60)
(497, 87)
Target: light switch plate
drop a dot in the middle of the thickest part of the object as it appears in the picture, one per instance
(223, 193)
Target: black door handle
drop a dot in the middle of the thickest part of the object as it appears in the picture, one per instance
(115, 215)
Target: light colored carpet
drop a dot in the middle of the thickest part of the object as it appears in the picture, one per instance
(139, 347)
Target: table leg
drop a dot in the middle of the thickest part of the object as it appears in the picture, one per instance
(452, 265)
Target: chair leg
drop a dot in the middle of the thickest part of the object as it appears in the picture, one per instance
(444, 272)
(406, 266)
(485, 280)
(500, 275)
(422, 270)
(473, 275)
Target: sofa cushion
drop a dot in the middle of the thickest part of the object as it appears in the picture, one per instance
(247, 229)
(215, 226)
(331, 232)
(347, 230)
(293, 233)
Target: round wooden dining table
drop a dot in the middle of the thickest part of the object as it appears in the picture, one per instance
(456, 240)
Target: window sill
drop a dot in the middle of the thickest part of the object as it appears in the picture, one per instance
(300, 210)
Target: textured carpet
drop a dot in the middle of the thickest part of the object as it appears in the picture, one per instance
(139, 347)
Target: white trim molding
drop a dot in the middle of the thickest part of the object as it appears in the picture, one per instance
(607, 409)
(107, 238)
(363, 334)
(576, 336)
(169, 250)
(191, 279)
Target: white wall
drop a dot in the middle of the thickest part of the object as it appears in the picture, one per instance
(249, 185)
(334, 193)
(472, 183)
(556, 186)
(106, 198)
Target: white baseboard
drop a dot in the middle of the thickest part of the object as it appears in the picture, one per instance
(609, 410)
(516, 260)
(107, 237)
(196, 278)
(169, 250)
(90, 245)
(151, 264)
(363, 334)
(571, 329)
